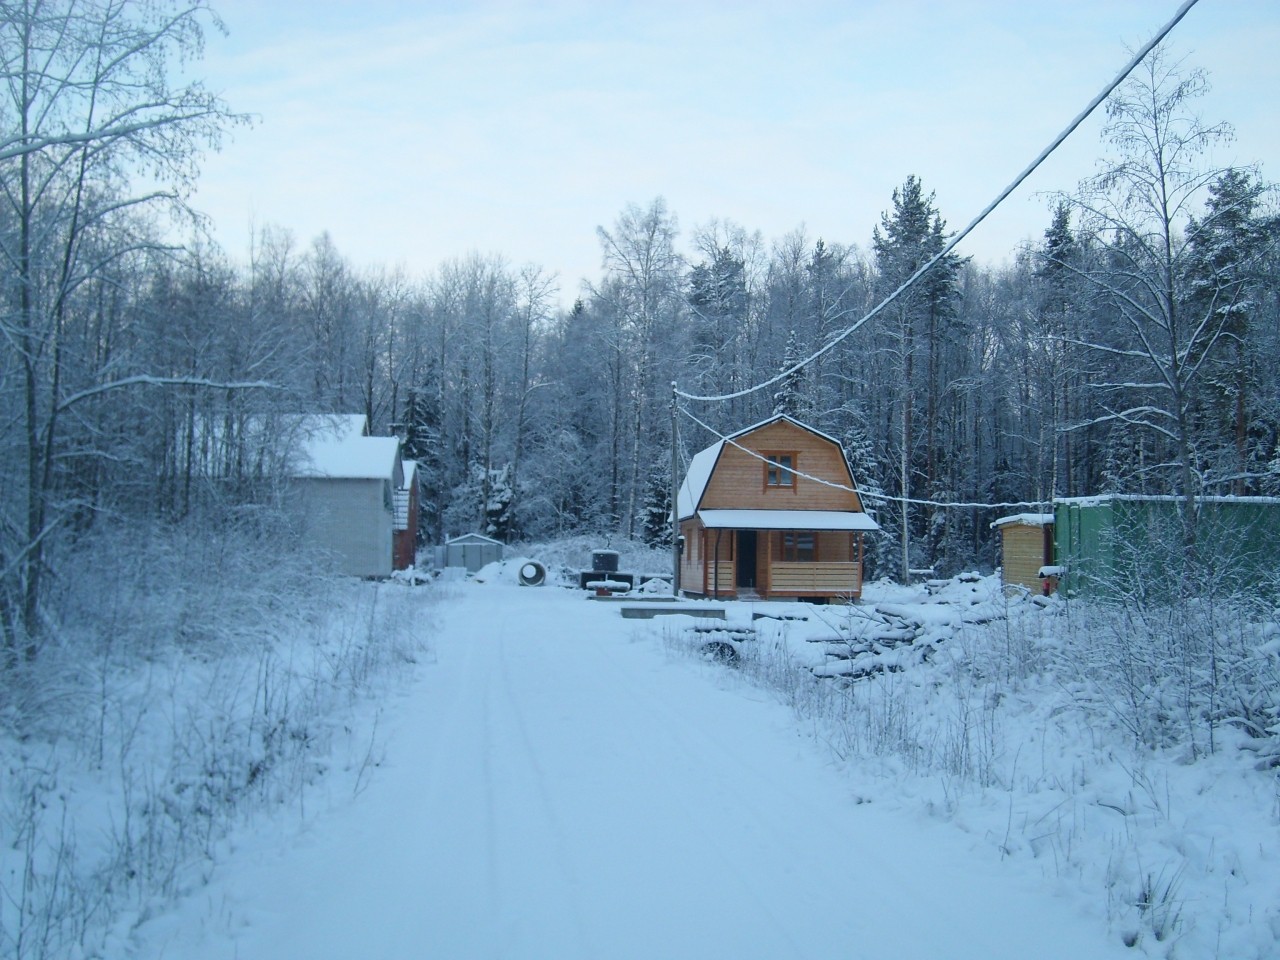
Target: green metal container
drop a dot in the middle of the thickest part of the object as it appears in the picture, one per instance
(1121, 547)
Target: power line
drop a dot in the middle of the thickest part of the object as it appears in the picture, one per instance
(877, 497)
(1004, 194)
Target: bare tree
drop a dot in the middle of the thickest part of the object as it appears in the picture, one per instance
(1136, 211)
(87, 107)
(640, 257)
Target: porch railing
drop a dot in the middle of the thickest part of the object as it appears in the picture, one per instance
(828, 578)
(720, 577)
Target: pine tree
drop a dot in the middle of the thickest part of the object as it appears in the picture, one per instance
(499, 517)
(423, 444)
(1056, 365)
(656, 516)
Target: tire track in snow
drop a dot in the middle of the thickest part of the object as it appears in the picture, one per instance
(711, 753)
(489, 796)
(678, 733)
(553, 828)
(463, 886)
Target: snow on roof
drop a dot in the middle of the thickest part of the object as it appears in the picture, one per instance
(356, 458)
(696, 479)
(1026, 519)
(787, 520)
(336, 447)
(473, 538)
(410, 468)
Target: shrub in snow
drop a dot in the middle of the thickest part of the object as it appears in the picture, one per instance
(193, 675)
(1132, 750)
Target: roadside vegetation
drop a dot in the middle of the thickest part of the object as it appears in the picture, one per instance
(1132, 751)
(192, 679)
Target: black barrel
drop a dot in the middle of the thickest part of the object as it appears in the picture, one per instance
(604, 561)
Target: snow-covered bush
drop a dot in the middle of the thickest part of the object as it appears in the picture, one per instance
(190, 675)
(1128, 749)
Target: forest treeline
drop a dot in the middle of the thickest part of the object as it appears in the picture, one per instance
(1134, 347)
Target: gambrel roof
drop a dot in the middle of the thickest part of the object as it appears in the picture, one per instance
(703, 464)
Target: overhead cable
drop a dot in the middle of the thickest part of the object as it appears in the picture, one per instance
(878, 497)
(955, 241)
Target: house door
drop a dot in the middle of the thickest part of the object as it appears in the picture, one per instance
(746, 558)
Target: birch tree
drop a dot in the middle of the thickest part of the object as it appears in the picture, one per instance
(87, 109)
(1136, 209)
(640, 257)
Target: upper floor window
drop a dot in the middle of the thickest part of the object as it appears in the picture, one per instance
(779, 470)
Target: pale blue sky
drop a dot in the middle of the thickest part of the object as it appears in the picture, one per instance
(415, 132)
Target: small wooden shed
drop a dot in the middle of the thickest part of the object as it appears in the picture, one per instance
(1026, 546)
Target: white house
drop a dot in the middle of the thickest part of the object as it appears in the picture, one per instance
(347, 483)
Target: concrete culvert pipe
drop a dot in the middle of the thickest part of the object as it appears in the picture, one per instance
(532, 574)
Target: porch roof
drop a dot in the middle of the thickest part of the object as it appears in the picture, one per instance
(786, 520)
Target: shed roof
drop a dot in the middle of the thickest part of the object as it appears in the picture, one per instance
(339, 457)
(473, 538)
(1024, 519)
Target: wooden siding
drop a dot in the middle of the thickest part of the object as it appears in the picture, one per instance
(698, 564)
(720, 579)
(822, 579)
(1023, 553)
(737, 482)
(830, 544)
(691, 559)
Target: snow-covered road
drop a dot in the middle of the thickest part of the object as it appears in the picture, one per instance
(555, 787)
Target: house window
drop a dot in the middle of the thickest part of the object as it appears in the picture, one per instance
(779, 471)
(799, 546)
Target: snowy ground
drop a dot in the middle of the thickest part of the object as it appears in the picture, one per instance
(560, 782)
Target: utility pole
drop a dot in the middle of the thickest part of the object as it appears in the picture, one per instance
(675, 500)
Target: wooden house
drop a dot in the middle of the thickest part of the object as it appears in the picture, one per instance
(346, 482)
(772, 512)
(404, 549)
(1026, 547)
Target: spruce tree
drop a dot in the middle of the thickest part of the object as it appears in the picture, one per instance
(918, 323)
(788, 397)
(1225, 250)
